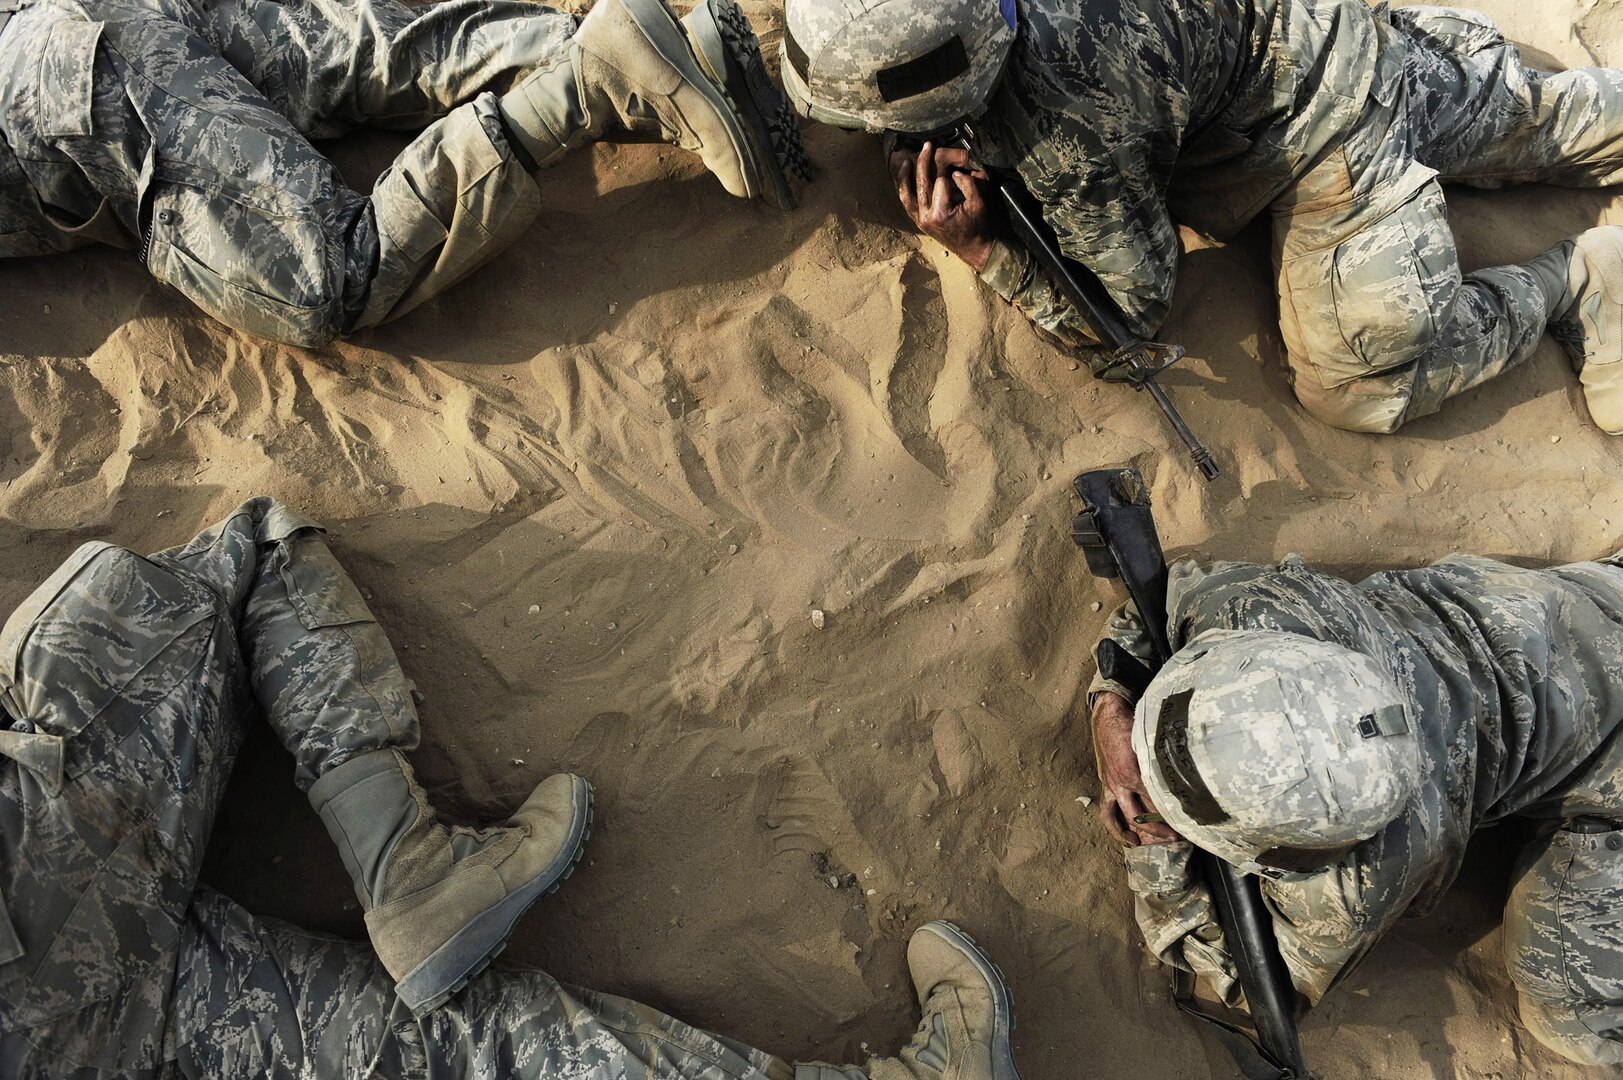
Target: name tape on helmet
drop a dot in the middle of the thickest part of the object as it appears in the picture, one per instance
(922, 74)
(1177, 762)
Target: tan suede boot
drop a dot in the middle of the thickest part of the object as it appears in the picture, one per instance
(726, 46)
(967, 1017)
(631, 65)
(1589, 322)
(441, 900)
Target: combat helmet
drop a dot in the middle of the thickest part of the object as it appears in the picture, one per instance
(1275, 752)
(894, 65)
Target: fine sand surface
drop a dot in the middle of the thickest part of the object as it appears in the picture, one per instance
(596, 492)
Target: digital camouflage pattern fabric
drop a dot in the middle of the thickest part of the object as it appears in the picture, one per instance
(182, 130)
(126, 684)
(1513, 681)
(1126, 117)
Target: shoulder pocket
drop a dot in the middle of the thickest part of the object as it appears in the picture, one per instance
(67, 78)
(95, 642)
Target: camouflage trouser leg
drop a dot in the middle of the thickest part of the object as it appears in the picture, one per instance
(1379, 323)
(455, 197)
(257, 999)
(318, 663)
(1564, 943)
(332, 65)
(231, 203)
(125, 698)
(300, 1005)
(523, 1023)
(1481, 118)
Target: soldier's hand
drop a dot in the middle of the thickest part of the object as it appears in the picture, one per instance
(1125, 803)
(940, 190)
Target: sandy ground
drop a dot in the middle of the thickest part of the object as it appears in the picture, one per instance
(596, 492)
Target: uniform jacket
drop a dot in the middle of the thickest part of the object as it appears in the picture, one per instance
(1515, 679)
(1125, 117)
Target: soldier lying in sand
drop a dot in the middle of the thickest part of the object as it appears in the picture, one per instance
(1345, 742)
(126, 685)
(1125, 117)
(182, 130)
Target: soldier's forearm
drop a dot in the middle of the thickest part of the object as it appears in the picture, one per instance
(1124, 657)
(1175, 913)
(1014, 275)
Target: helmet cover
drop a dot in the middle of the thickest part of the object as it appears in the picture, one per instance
(894, 65)
(1274, 751)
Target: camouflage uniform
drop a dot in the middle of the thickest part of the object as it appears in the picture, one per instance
(1125, 116)
(1514, 679)
(182, 127)
(125, 687)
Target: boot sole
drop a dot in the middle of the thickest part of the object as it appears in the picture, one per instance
(726, 46)
(449, 968)
(1003, 1067)
(666, 35)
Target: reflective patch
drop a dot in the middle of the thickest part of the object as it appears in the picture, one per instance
(796, 54)
(1387, 720)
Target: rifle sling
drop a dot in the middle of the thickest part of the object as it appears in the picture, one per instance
(1252, 1060)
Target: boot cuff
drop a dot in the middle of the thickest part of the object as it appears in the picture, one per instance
(352, 772)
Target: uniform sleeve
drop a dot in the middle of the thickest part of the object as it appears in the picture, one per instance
(1014, 275)
(1175, 913)
(1124, 656)
(1327, 923)
(1324, 924)
(1111, 217)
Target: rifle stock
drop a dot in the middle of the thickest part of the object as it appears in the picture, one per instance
(1116, 530)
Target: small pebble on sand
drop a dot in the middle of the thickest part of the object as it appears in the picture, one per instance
(819, 619)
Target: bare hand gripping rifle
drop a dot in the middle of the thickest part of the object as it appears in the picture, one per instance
(1116, 530)
(1140, 360)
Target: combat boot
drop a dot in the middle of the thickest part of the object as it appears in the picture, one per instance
(632, 65)
(1588, 322)
(967, 1017)
(441, 900)
(726, 47)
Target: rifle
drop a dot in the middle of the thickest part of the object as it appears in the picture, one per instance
(1116, 530)
(1139, 359)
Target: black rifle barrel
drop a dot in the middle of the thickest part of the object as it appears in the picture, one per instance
(1092, 301)
(1117, 531)
(1263, 976)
